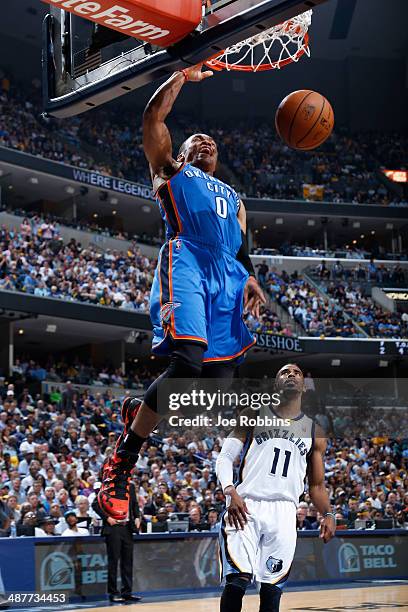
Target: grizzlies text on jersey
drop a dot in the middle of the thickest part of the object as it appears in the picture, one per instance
(274, 460)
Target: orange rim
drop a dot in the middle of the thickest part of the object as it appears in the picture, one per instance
(215, 64)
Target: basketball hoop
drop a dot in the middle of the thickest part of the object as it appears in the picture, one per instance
(274, 48)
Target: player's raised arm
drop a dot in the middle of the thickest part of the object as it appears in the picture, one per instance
(317, 487)
(156, 136)
(253, 295)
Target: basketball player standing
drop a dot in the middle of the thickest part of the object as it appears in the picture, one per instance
(258, 530)
(203, 279)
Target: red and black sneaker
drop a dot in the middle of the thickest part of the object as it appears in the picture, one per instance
(113, 496)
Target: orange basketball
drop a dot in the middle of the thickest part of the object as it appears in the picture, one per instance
(304, 120)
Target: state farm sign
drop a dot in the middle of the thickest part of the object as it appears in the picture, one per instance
(142, 19)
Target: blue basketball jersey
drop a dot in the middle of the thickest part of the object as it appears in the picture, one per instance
(198, 206)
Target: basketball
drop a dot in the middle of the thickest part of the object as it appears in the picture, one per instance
(304, 120)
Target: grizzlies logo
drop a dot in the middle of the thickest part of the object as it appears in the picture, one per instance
(167, 310)
(274, 565)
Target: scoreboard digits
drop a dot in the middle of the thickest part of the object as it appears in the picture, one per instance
(393, 347)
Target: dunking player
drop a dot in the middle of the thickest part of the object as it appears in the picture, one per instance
(258, 530)
(203, 278)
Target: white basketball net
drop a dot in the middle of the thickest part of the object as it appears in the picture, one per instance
(274, 48)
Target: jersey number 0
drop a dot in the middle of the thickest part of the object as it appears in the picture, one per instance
(221, 206)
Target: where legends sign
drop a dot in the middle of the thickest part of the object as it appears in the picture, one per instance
(110, 182)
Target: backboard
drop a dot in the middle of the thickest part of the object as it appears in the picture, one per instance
(86, 65)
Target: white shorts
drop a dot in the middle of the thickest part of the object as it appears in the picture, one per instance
(265, 547)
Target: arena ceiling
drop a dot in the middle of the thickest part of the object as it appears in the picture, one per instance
(370, 28)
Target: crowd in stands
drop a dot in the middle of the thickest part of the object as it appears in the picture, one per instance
(373, 273)
(268, 323)
(287, 249)
(347, 166)
(345, 251)
(312, 311)
(36, 261)
(373, 319)
(52, 450)
(343, 286)
(76, 371)
(86, 225)
(343, 309)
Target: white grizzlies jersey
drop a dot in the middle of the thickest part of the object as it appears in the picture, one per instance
(274, 458)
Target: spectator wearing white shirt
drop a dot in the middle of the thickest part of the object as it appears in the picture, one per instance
(46, 527)
(27, 446)
(72, 522)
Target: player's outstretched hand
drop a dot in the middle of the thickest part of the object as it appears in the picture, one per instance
(253, 297)
(237, 510)
(327, 528)
(196, 73)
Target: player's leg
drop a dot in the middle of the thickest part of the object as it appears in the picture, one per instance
(113, 556)
(238, 555)
(234, 591)
(178, 313)
(276, 551)
(126, 562)
(219, 370)
(228, 336)
(270, 596)
(185, 363)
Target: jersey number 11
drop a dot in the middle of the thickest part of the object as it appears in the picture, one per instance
(288, 455)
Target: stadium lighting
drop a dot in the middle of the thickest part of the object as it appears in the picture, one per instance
(279, 221)
(69, 189)
(21, 332)
(51, 328)
(33, 180)
(114, 212)
(356, 224)
(336, 363)
(311, 222)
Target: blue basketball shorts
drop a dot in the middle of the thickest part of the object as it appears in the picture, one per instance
(197, 295)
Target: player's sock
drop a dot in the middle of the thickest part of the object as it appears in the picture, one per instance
(270, 597)
(131, 445)
(231, 598)
(233, 593)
